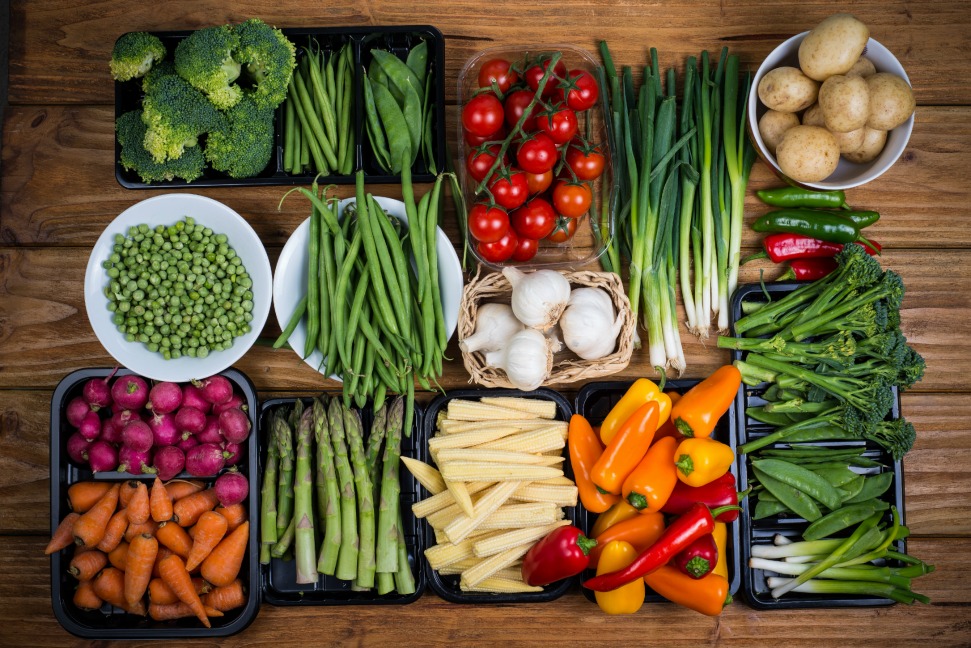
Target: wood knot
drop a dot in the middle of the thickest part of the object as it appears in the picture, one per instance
(39, 119)
(9, 423)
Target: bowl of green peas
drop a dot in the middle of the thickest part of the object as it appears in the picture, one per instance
(178, 287)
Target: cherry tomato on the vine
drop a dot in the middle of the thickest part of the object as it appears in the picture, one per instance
(559, 122)
(488, 224)
(515, 105)
(478, 140)
(526, 249)
(539, 182)
(535, 220)
(480, 160)
(537, 153)
(500, 71)
(564, 229)
(586, 162)
(483, 114)
(509, 188)
(571, 198)
(500, 250)
(534, 74)
(579, 90)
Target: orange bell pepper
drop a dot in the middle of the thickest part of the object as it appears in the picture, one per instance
(702, 460)
(696, 414)
(667, 429)
(708, 595)
(650, 484)
(585, 450)
(720, 533)
(626, 448)
(641, 392)
(614, 515)
(641, 531)
(626, 599)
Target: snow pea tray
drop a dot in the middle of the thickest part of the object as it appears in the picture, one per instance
(761, 532)
(109, 622)
(594, 401)
(447, 586)
(396, 39)
(279, 577)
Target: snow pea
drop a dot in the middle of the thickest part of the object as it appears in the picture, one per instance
(801, 479)
(873, 486)
(843, 518)
(794, 499)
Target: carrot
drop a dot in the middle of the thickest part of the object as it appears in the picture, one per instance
(86, 565)
(63, 535)
(139, 510)
(128, 489)
(210, 529)
(174, 573)
(160, 502)
(83, 495)
(85, 598)
(179, 488)
(175, 538)
(222, 565)
(90, 527)
(150, 527)
(163, 553)
(141, 558)
(235, 515)
(109, 585)
(115, 531)
(188, 509)
(118, 557)
(178, 610)
(159, 592)
(225, 598)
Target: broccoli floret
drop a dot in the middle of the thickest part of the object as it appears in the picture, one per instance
(159, 70)
(134, 54)
(205, 59)
(910, 369)
(890, 346)
(176, 115)
(897, 437)
(268, 58)
(131, 135)
(888, 291)
(243, 147)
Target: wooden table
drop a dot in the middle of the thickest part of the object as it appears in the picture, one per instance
(58, 193)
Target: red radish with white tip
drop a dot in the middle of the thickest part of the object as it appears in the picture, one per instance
(204, 460)
(231, 488)
(77, 448)
(90, 427)
(233, 452)
(235, 425)
(210, 433)
(75, 411)
(130, 392)
(216, 389)
(138, 436)
(134, 461)
(169, 462)
(192, 397)
(165, 397)
(97, 393)
(102, 456)
(163, 429)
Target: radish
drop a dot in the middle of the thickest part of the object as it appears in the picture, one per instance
(235, 425)
(188, 442)
(134, 461)
(233, 452)
(192, 397)
(231, 488)
(216, 389)
(204, 460)
(138, 436)
(163, 429)
(77, 448)
(190, 419)
(236, 401)
(76, 410)
(96, 392)
(165, 397)
(90, 427)
(130, 392)
(169, 462)
(111, 429)
(210, 433)
(102, 456)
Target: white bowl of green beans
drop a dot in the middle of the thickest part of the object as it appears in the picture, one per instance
(215, 301)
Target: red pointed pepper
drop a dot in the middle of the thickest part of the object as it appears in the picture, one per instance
(699, 558)
(561, 554)
(720, 492)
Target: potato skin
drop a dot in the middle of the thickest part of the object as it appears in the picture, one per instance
(892, 101)
(873, 143)
(787, 89)
(773, 126)
(845, 102)
(833, 46)
(813, 116)
(851, 140)
(808, 153)
(862, 68)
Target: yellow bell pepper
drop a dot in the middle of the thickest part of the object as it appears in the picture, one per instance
(617, 513)
(701, 460)
(720, 533)
(626, 599)
(641, 392)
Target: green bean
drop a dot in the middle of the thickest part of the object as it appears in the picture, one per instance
(330, 77)
(794, 499)
(357, 362)
(801, 479)
(873, 486)
(374, 263)
(346, 107)
(313, 284)
(379, 144)
(316, 128)
(292, 324)
(385, 255)
(325, 275)
(380, 394)
(408, 421)
(427, 131)
(842, 518)
(304, 145)
(340, 294)
(431, 230)
(357, 306)
(395, 127)
(307, 139)
(289, 116)
(366, 384)
(323, 102)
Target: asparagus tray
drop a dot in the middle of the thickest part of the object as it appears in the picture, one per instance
(594, 402)
(279, 576)
(763, 531)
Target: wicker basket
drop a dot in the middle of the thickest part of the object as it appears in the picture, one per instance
(567, 367)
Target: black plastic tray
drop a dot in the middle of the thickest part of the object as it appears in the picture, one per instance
(447, 587)
(279, 577)
(396, 39)
(109, 622)
(594, 402)
(761, 531)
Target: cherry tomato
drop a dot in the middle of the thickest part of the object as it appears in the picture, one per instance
(478, 140)
(534, 74)
(586, 162)
(480, 160)
(515, 106)
(526, 249)
(571, 198)
(509, 189)
(539, 182)
(564, 229)
(483, 114)
(537, 153)
(500, 250)
(579, 90)
(488, 224)
(535, 220)
(559, 122)
(498, 70)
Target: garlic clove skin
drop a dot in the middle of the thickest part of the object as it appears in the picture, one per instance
(494, 325)
(527, 359)
(589, 324)
(539, 297)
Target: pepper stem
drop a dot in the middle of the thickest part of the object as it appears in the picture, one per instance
(586, 544)
(685, 465)
(698, 567)
(723, 509)
(638, 501)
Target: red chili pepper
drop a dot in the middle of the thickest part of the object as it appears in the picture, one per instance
(781, 247)
(695, 523)
(561, 554)
(807, 269)
(699, 558)
(720, 492)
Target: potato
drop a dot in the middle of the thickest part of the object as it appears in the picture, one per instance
(891, 101)
(808, 153)
(773, 125)
(813, 116)
(833, 46)
(862, 68)
(786, 89)
(850, 141)
(845, 102)
(873, 143)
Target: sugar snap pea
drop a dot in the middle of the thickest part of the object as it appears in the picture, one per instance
(835, 474)
(794, 499)
(765, 508)
(800, 478)
(417, 62)
(379, 144)
(873, 486)
(842, 518)
(851, 489)
(395, 127)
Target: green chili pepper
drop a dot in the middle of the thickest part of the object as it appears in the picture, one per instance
(860, 218)
(800, 197)
(825, 226)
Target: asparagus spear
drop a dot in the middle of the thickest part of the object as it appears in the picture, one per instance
(387, 553)
(365, 499)
(329, 499)
(294, 418)
(303, 512)
(347, 557)
(286, 539)
(374, 442)
(404, 580)
(284, 496)
(268, 536)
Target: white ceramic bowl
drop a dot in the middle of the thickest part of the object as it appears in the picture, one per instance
(847, 174)
(166, 210)
(290, 279)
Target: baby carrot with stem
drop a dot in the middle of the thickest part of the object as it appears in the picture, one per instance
(90, 527)
(175, 575)
(188, 509)
(139, 507)
(160, 502)
(175, 538)
(86, 565)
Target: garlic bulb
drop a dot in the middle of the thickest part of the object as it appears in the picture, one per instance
(527, 359)
(538, 298)
(494, 325)
(590, 328)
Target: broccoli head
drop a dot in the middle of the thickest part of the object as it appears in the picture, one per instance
(176, 115)
(243, 147)
(134, 157)
(134, 54)
(897, 437)
(269, 59)
(205, 59)
(159, 70)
